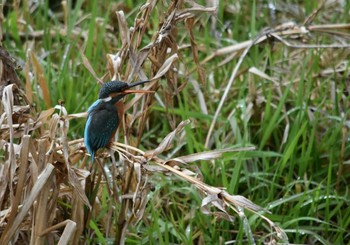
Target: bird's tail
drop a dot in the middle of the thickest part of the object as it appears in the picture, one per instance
(92, 157)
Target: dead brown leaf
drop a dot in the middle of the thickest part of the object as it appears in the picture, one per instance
(39, 72)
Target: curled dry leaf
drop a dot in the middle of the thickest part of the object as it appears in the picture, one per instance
(68, 232)
(53, 127)
(215, 201)
(137, 169)
(7, 101)
(77, 184)
(113, 64)
(136, 60)
(9, 166)
(123, 28)
(140, 195)
(39, 72)
(210, 155)
(200, 95)
(165, 67)
(242, 202)
(142, 205)
(167, 141)
(63, 110)
(263, 75)
(191, 12)
(89, 67)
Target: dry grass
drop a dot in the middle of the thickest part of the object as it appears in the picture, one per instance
(38, 172)
(36, 189)
(49, 191)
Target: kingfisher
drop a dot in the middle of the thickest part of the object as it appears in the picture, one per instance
(103, 119)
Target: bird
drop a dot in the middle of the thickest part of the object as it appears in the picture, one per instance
(103, 120)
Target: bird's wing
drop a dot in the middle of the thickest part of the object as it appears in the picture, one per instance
(100, 127)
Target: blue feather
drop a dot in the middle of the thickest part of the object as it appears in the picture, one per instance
(94, 105)
(87, 136)
(102, 120)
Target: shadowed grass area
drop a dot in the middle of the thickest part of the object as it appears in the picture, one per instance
(280, 138)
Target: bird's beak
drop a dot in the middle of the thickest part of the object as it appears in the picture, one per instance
(132, 91)
(135, 91)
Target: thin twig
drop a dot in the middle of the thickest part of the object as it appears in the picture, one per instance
(309, 46)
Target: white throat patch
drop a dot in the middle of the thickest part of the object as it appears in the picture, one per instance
(106, 99)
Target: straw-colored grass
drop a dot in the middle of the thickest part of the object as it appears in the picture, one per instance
(244, 139)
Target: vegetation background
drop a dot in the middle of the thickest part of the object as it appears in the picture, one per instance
(273, 75)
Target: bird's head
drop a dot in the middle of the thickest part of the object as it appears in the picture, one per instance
(119, 89)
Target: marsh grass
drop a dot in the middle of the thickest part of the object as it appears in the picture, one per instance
(245, 139)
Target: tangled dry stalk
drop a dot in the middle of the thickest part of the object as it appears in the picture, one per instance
(43, 174)
(42, 168)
